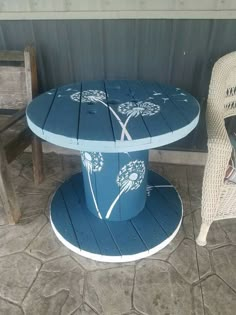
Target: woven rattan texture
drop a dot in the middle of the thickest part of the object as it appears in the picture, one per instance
(219, 197)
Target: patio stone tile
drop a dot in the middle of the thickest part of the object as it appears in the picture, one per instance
(52, 166)
(20, 182)
(228, 226)
(218, 297)
(204, 262)
(133, 313)
(170, 248)
(58, 289)
(84, 309)
(185, 262)
(195, 176)
(7, 308)
(109, 291)
(159, 289)
(187, 225)
(93, 265)
(198, 306)
(3, 217)
(46, 245)
(15, 168)
(18, 271)
(224, 261)
(15, 238)
(31, 204)
(71, 164)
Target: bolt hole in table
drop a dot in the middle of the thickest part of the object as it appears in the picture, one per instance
(115, 210)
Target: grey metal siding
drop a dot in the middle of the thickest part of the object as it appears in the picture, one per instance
(178, 52)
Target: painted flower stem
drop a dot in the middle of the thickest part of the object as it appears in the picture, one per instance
(117, 117)
(94, 199)
(123, 129)
(114, 202)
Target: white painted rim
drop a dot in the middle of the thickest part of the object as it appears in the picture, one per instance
(122, 258)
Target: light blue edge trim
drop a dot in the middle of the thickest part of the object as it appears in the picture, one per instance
(111, 146)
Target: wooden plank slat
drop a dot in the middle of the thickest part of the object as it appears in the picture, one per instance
(89, 183)
(156, 124)
(61, 219)
(99, 227)
(31, 78)
(172, 117)
(166, 217)
(37, 111)
(133, 200)
(119, 100)
(168, 193)
(180, 99)
(104, 197)
(164, 211)
(129, 242)
(148, 229)
(12, 87)
(94, 115)
(13, 55)
(83, 231)
(62, 121)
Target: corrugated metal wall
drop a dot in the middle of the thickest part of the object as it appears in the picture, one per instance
(178, 52)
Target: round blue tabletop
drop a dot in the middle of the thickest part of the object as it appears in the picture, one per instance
(113, 116)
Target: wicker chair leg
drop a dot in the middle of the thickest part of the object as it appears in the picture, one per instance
(201, 239)
(37, 156)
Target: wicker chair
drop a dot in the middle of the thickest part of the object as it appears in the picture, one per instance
(218, 196)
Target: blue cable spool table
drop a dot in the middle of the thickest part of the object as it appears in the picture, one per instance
(115, 210)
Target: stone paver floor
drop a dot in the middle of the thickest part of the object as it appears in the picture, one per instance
(38, 275)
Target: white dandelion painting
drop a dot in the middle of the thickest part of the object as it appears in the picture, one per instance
(129, 178)
(98, 96)
(135, 109)
(93, 162)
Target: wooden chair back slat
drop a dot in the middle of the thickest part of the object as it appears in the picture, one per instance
(13, 92)
(18, 78)
(14, 55)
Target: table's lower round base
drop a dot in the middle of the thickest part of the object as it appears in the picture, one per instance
(118, 241)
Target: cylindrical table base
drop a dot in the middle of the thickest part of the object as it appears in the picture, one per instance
(115, 183)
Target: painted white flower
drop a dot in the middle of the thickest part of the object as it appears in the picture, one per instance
(100, 97)
(135, 109)
(130, 177)
(89, 96)
(139, 108)
(93, 162)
